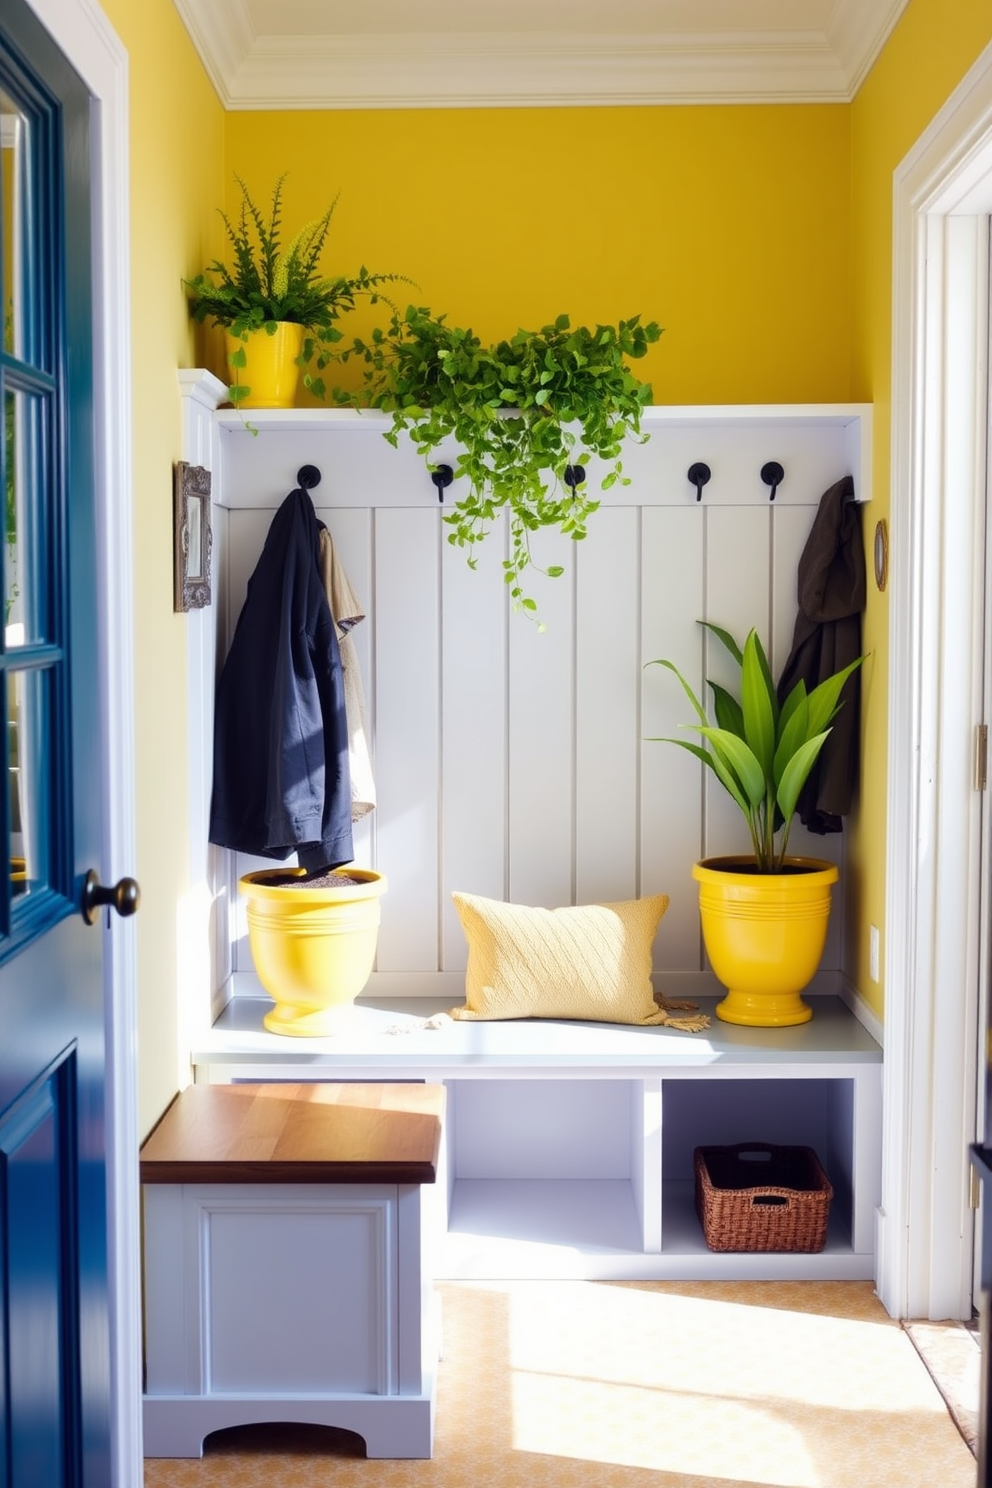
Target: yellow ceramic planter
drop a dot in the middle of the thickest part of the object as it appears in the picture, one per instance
(271, 374)
(313, 948)
(764, 935)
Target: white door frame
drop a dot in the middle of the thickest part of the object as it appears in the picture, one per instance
(81, 31)
(934, 919)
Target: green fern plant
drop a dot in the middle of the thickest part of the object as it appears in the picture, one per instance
(268, 282)
(522, 411)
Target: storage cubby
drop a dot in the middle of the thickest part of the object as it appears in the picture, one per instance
(543, 1175)
(815, 1113)
(541, 1129)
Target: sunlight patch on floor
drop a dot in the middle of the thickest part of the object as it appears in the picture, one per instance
(644, 1378)
(575, 1384)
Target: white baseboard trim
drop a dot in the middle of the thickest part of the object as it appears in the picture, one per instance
(864, 1014)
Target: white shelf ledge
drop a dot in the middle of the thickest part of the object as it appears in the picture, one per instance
(387, 1039)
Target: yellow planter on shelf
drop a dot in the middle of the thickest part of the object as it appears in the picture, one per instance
(764, 934)
(313, 948)
(271, 374)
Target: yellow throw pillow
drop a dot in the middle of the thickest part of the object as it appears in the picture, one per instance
(592, 961)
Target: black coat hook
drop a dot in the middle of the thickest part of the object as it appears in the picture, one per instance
(574, 475)
(773, 475)
(698, 475)
(308, 476)
(442, 476)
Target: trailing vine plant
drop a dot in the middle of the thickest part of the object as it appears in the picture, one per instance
(522, 412)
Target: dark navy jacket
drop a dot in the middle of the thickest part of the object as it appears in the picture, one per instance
(831, 589)
(281, 781)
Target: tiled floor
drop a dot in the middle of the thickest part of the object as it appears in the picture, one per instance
(643, 1385)
(952, 1354)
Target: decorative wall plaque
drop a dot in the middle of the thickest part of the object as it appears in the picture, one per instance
(192, 535)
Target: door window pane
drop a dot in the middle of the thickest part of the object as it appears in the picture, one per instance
(23, 465)
(29, 794)
(13, 127)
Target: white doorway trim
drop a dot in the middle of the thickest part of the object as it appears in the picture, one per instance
(942, 198)
(81, 31)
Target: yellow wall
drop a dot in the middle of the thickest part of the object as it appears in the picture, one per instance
(729, 226)
(930, 50)
(177, 177)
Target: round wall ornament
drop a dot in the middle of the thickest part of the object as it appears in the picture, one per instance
(881, 554)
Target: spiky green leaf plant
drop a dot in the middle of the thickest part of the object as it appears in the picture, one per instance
(762, 753)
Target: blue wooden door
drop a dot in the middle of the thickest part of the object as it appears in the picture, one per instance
(54, 1347)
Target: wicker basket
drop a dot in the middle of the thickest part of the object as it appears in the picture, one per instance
(787, 1210)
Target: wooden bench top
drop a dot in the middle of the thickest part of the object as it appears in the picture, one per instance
(305, 1133)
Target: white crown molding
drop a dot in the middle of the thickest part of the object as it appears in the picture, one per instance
(536, 70)
(448, 70)
(857, 32)
(222, 32)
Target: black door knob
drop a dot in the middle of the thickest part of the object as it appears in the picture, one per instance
(124, 896)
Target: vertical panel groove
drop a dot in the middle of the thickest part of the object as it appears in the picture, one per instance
(371, 688)
(703, 796)
(770, 618)
(639, 703)
(441, 744)
(506, 732)
(574, 726)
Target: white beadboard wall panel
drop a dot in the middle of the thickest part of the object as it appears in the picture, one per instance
(737, 595)
(541, 815)
(474, 732)
(816, 445)
(513, 761)
(220, 584)
(358, 467)
(607, 712)
(672, 566)
(247, 531)
(408, 737)
(790, 529)
(735, 443)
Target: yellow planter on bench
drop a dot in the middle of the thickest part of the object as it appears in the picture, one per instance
(313, 948)
(764, 934)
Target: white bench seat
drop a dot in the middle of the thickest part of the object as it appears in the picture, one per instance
(569, 1145)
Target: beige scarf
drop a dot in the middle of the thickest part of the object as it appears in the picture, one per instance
(347, 611)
